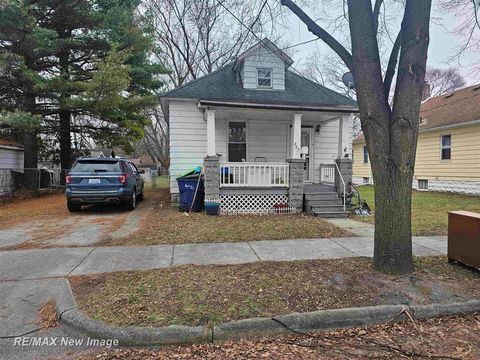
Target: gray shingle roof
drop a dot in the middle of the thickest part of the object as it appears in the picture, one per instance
(222, 85)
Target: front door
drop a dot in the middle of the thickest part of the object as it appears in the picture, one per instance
(306, 153)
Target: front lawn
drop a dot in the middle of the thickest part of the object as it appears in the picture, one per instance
(429, 209)
(166, 225)
(199, 295)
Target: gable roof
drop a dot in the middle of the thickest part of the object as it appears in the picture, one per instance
(456, 108)
(270, 46)
(222, 85)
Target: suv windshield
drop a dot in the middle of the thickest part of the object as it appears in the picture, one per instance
(96, 166)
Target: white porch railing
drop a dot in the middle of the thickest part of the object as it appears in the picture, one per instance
(327, 173)
(343, 183)
(245, 174)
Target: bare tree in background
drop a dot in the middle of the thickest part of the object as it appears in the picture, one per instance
(443, 80)
(196, 37)
(325, 70)
(390, 127)
(467, 14)
(155, 139)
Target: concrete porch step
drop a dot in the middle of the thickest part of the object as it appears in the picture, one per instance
(331, 214)
(321, 196)
(325, 208)
(328, 202)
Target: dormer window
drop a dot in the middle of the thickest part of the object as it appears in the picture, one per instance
(264, 78)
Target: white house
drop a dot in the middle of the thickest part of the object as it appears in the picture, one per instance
(266, 136)
(11, 157)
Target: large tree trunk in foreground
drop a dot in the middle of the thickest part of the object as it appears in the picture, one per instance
(393, 235)
(390, 130)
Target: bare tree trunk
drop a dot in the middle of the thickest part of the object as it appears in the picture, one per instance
(393, 234)
(65, 125)
(65, 144)
(30, 149)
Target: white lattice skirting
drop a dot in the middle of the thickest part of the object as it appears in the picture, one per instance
(255, 204)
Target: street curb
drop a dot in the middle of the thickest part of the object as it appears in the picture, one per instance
(135, 335)
(258, 327)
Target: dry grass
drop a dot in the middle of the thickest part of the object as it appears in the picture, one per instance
(197, 295)
(166, 225)
(24, 210)
(429, 209)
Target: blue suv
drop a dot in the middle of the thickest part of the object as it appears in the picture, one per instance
(103, 180)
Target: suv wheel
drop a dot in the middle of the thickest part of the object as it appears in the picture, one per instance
(72, 207)
(132, 203)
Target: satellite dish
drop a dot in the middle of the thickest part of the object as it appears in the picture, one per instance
(347, 79)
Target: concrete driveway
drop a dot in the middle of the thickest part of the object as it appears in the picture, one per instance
(93, 226)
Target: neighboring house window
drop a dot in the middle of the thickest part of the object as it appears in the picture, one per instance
(365, 154)
(264, 78)
(446, 147)
(366, 180)
(422, 184)
(237, 141)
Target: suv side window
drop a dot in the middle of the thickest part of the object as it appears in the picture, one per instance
(125, 167)
(133, 167)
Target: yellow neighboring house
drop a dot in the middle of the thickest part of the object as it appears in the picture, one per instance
(448, 151)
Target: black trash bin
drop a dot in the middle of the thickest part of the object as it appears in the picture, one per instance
(187, 185)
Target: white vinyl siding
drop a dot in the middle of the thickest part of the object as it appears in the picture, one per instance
(326, 145)
(263, 59)
(267, 139)
(188, 139)
(11, 159)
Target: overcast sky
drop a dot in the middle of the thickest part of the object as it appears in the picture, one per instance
(443, 45)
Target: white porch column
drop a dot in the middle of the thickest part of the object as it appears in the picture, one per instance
(345, 132)
(296, 136)
(210, 114)
(340, 137)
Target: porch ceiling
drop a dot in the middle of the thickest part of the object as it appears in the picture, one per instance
(224, 113)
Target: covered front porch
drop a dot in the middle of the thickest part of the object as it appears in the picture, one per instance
(259, 160)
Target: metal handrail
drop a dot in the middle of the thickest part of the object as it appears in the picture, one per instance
(343, 182)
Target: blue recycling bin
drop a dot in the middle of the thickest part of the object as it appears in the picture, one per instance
(187, 185)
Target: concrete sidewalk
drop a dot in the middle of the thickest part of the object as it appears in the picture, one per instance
(61, 262)
(29, 278)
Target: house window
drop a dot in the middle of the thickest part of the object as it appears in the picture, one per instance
(422, 184)
(237, 141)
(264, 78)
(365, 154)
(366, 180)
(446, 145)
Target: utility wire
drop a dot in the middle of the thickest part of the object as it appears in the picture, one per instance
(300, 43)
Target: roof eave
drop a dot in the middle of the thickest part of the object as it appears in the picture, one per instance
(11, 147)
(436, 128)
(277, 106)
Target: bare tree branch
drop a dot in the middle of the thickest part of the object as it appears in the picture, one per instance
(317, 30)
(392, 65)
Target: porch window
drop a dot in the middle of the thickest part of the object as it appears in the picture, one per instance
(446, 152)
(365, 154)
(237, 141)
(264, 78)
